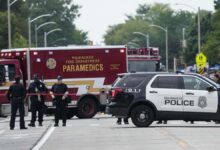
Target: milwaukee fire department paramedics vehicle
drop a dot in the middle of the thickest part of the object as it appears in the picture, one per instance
(146, 97)
(87, 70)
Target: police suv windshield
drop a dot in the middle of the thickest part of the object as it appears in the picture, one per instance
(210, 81)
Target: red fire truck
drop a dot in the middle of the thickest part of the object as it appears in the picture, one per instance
(144, 60)
(87, 70)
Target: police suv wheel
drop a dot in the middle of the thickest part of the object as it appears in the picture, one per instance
(142, 116)
(87, 108)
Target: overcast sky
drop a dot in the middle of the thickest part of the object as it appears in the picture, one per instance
(97, 15)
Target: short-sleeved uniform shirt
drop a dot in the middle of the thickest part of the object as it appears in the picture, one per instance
(59, 89)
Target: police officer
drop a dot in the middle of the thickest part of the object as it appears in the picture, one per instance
(16, 95)
(124, 119)
(36, 89)
(217, 78)
(59, 95)
(162, 122)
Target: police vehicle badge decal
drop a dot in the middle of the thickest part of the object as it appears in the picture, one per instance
(202, 103)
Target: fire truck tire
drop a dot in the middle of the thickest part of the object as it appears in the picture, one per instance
(71, 113)
(87, 108)
(142, 116)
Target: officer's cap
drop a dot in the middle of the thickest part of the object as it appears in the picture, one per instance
(59, 77)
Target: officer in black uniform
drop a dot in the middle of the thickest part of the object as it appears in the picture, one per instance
(125, 121)
(59, 95)
(16, 95)
(36, 89)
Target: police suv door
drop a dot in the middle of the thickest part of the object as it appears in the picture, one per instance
(165, 92)
(196, 96)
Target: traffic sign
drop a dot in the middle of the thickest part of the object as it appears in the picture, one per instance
(201, 61)
(201, 58)
(201, 65)
(200, 70)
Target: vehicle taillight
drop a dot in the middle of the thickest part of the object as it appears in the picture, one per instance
(115, 91)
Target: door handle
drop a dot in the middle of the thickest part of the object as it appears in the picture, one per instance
(153, 92)
(189, 93)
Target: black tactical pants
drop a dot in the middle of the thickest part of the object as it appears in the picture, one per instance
(119, 120)
(17, 103)
(61, 110)
(36, 106)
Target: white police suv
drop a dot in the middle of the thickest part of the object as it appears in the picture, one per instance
(146, 97)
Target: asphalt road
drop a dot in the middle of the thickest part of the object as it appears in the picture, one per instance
(101, 133)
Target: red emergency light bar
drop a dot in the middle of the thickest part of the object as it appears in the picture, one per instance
(12, 55)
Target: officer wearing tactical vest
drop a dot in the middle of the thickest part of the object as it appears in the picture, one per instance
(16, 95)
(36, 89)
(59, 95)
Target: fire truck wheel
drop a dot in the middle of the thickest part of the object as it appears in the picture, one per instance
(142, 116)
(71, 113)
(87, 108)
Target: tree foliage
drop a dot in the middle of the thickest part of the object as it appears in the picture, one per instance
(64, 14)
(212, 44)
(146, 15)
(175, 21)
(18, 23)
(192, 35)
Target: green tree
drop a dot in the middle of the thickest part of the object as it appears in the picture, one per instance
(18, 22)
(212, 46)
(123, 33)
(64, 14)
(19, 41)
(158, 14)
(3, 30)
(192, 35)
(217, 4)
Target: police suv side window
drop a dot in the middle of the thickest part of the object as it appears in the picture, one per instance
(167, 82)
(130, 81)
(192, 83)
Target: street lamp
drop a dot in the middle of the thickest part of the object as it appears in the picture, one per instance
(199, 24)
(9, 4)
(60, 39)
(146, 36)
(166, 38)
(40, 26)
(133, 44)
(184, 40)
(29, 25)
(29, 43)
(47, 33)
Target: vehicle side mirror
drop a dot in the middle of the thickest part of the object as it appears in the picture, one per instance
(210, 89)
